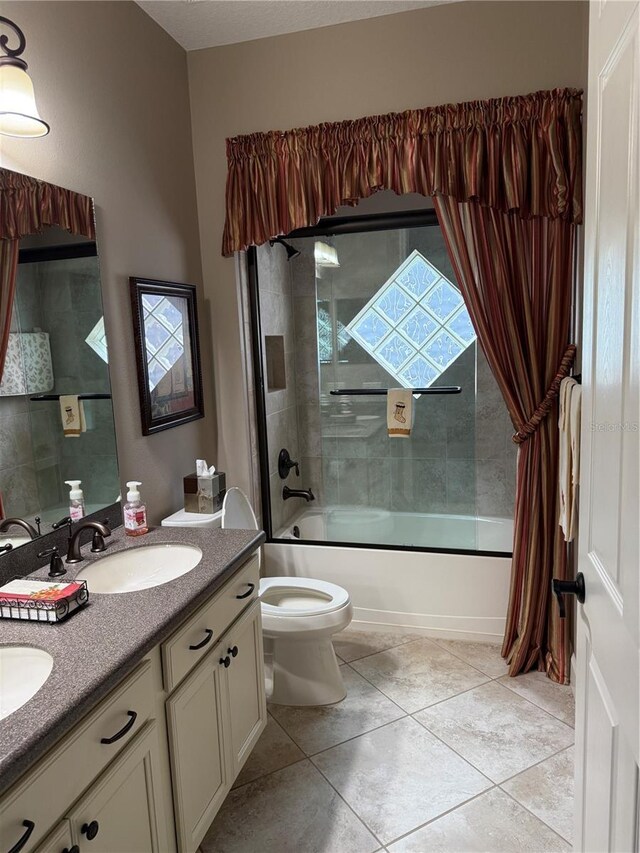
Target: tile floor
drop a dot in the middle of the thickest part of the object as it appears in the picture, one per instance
(434, 749)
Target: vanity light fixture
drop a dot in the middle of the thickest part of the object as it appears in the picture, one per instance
(18, 111)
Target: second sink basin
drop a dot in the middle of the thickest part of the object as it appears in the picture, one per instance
(23, 671)
(140, 568)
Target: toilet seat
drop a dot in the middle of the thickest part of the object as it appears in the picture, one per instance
(299, 617)
(286, 597)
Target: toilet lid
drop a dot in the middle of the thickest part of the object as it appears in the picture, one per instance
(237, 513)
(300, 596)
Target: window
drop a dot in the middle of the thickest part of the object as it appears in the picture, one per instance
(416, 325)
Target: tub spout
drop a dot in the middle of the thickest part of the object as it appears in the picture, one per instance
(307, 494)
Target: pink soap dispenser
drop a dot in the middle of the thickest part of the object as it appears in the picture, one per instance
(134, 511)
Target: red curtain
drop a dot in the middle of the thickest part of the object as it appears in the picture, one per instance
(518, 153)
(516, 278)
(505, 176)
(27, 206)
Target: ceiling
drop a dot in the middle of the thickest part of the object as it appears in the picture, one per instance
(197, 24)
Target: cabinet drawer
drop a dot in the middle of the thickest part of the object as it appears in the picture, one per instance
(198, 635)
(59, 779)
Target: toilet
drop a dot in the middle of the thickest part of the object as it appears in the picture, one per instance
(299, 617)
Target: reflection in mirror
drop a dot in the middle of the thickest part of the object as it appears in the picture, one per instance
(56, 347)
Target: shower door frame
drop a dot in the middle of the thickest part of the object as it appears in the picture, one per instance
(327, 227)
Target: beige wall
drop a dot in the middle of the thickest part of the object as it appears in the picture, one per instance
(113, 86)
(449, 53)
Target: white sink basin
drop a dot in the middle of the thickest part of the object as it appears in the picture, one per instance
(140, 568)
(15, 541)
(23, 671)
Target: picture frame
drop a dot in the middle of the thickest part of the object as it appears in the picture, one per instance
(167, 346)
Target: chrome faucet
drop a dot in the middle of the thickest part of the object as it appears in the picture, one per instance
(19, 522)
(307, 494)
(100, 530)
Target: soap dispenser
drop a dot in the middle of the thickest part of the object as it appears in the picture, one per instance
(76, 500)
(134, 511)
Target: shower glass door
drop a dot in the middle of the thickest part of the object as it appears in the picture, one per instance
(361, 311)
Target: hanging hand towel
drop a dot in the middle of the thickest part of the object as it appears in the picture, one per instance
(564, 473)
(72, 414)
(399, 412)
(575, 417)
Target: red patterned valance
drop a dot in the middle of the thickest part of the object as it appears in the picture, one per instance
(518, 154)
(28, 205)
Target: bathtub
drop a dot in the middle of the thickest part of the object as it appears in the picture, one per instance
(436, 593)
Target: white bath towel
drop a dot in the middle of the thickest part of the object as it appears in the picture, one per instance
(399, 412)
(564, 468)
(72, 415)
(575, 418)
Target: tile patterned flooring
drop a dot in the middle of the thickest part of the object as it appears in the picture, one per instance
(434, 749)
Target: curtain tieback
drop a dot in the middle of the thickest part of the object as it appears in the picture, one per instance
(544, 407)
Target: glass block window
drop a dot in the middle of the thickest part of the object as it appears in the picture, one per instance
(416, 325)
(163, 323)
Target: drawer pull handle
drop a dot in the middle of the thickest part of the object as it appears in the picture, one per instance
(123, 731)
(90, 829)
(197, 646)
(252, 586)
(30, 826)
(226, 662)
(233, 652)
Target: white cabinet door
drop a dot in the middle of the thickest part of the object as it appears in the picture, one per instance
(59, 841)
(196, 744)
(608, 625)
(119, 813)
(246, 706)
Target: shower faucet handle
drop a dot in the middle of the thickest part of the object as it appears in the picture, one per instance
(286, 463)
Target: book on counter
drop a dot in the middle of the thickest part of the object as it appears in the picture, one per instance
(41, 600)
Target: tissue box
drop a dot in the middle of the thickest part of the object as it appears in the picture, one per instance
(204, 494)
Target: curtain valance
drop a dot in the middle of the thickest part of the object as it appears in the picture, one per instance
(28, 205)
(519, 154)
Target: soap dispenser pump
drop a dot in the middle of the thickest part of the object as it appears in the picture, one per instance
(76, 500)
(134, 511)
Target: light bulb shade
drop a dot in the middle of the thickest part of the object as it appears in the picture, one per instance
(18, 111)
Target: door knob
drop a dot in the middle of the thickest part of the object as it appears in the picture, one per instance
(562, 588)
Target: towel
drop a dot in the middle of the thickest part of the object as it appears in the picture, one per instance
(72, 414)
(399, 412)
(575, 418)
(565, 490)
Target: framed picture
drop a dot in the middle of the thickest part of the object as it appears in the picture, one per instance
(165, 328)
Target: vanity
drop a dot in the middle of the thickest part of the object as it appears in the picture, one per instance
(155, 700)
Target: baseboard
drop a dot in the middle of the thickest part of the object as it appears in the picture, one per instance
(473, 629)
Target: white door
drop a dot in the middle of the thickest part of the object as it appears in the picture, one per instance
(607, 652)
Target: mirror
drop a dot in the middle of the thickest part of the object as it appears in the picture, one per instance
(56, 348)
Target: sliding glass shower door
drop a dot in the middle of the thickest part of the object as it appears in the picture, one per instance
(371, 307)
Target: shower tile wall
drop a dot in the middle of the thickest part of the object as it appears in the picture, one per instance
(460, 458)
(276, 314)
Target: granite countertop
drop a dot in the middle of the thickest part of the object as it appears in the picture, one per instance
(96, 647)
